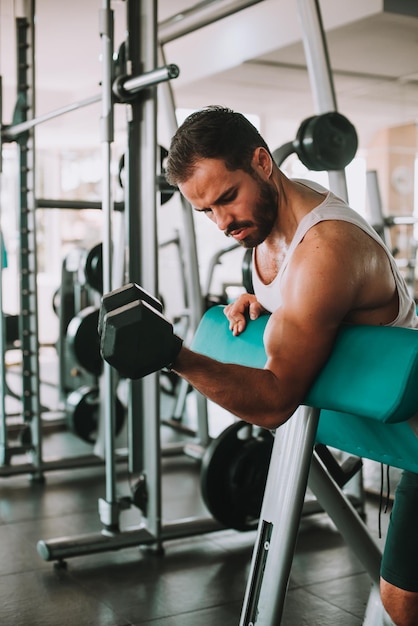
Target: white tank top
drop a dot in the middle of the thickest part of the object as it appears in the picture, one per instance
(333, 208)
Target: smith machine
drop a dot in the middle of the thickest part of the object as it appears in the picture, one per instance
(124, 88)
(132, 83)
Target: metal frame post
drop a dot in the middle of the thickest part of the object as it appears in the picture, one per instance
(192, 280)
(108, 507)
(320, 75)
(27, 226)
(325, 100)
(344, 515)
(279, 519)
(3, 385)
(141, 213)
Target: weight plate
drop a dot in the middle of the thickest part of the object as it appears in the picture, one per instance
(93, 268)
(326, 142)
(12, 328)
(234, 474)
(84, 342)
(247, 271)
(166, 190)
(83, 407)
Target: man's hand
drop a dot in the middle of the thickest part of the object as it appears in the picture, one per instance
(246, 305)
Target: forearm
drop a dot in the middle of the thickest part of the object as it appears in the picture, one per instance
(251, 394)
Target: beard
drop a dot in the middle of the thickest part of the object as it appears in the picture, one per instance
(265, 215)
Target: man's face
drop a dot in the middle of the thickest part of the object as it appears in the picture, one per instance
(243, 206)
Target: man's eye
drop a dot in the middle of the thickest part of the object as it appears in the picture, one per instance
(230, 197)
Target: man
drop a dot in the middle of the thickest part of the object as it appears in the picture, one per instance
(316, 265)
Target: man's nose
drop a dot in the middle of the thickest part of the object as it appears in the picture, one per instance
(223, 219)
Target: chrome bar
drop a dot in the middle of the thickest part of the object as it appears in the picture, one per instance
(108, 507)
(81, 545)
(11, 132)
(128, 84)
(50, 203)
(198, 16)
(131, 85)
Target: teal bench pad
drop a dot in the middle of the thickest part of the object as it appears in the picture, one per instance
(367, 390)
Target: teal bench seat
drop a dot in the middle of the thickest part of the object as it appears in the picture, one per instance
(367, 391)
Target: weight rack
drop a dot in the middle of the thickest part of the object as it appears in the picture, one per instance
(31, 406)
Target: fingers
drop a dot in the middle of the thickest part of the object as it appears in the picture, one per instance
(236, 317)
(236, 312)
(237, 326)
(255, 310)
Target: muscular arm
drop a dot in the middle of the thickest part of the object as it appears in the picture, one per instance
(317, 296)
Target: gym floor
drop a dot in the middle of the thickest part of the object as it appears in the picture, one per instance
(199, 580)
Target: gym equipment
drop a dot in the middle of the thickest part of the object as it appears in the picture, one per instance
(224, 294)
(198, 16)
(233, 475)
(323, 142)
(247, 278)
(83, 341)
(137, 340)
(124, 295)
(383, 225)
(93, 268)
(31, 407)
(362, 403)
(12, 330)
(166, 190)
(83, 410)
(140, 203)
(391, 347)
(72, 296)
(21, 131)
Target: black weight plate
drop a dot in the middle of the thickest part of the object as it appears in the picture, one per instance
(93, 268)
(166, 190)
(247, 271)
(84, 342)
(233, 475)
(64, 307)
(326, 142)
(247, 475)
(82, 408)
(12, 328)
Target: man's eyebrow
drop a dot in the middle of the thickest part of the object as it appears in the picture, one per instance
(219, 200)
(224, 195)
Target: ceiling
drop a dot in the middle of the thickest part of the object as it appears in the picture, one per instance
(374, 57)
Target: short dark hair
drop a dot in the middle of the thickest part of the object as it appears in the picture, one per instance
(214, 132)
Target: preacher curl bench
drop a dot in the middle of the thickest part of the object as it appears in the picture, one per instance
(363, 402)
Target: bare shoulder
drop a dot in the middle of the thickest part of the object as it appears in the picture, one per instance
(341, 246)
(340, 266)
(337, 233)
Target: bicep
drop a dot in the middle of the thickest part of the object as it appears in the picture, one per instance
(300, 335)
(296, 350)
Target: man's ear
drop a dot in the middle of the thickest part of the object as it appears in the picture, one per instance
(262, 162)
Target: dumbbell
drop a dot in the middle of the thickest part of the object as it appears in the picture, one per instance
(136, 338)
(124, 295)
